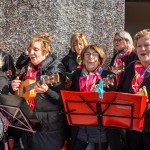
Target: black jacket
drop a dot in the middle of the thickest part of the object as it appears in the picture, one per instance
(22, 61)
(69, 61)
(125, 86)
(48, 108)
(9, 67)
(8, 64)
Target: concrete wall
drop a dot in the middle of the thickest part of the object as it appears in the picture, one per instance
(98, 19)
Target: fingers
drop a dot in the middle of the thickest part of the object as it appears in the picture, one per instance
(15, 84)
(40, 88)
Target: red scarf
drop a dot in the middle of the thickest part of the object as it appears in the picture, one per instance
(31, 74)
(139, 75)
(118, 63)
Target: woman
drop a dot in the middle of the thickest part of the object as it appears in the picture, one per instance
(47, 103)
(125, 54)
(83, 137)
(73, 60)
(136, 79)
(23, 59)
(123, 45)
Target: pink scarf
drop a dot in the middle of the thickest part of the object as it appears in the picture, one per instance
(88, 80)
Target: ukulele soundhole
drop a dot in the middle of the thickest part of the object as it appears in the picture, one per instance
(24, 89)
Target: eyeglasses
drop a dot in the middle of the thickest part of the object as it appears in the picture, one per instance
(87, 54)
(118, 40)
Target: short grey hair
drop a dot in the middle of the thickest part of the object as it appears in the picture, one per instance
(127, 37)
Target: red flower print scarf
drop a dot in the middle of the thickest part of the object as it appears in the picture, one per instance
(118, 63)
(139, 75)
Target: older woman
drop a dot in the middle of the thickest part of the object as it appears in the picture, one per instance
(136, 79)
(89, 78)
(23, 59)
(125, 54)
(48, 104)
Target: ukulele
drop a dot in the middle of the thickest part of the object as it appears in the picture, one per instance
(109, 81)
(117, 69)
(26, 88)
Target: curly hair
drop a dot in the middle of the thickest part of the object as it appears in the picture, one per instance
(140, 34)
(45, 39)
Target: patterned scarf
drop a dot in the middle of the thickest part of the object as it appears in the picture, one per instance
(79, 61)
(88, 80)
(31, 74)
(118, 64)
(139, 75)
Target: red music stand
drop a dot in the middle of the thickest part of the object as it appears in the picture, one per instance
(126, 111)
(114, 110)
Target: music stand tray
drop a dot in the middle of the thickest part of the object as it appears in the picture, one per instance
(115, 109)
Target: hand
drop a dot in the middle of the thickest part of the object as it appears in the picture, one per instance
(15, 84)
(40, 88)
(26, 52)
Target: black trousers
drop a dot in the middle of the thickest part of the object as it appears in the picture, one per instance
(138, 140)
(80, 145)
(116, 138)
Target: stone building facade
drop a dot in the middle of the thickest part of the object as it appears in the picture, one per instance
(97, 19)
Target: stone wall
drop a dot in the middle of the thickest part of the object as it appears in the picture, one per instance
(97, 19)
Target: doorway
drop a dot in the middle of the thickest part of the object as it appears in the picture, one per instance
(137, 16)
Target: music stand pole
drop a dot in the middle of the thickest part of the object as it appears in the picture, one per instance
(99, 113)
(5, 142)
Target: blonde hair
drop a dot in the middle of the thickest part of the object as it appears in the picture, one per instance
(140, 34)
(96, 48)
(77, 38)
(127, 37)
(45, 39)
(1, 61)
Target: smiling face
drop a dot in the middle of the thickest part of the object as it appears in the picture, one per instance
(78, 47)
(119, 43)
(91, 59)
(36, 54)
(143, 50)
